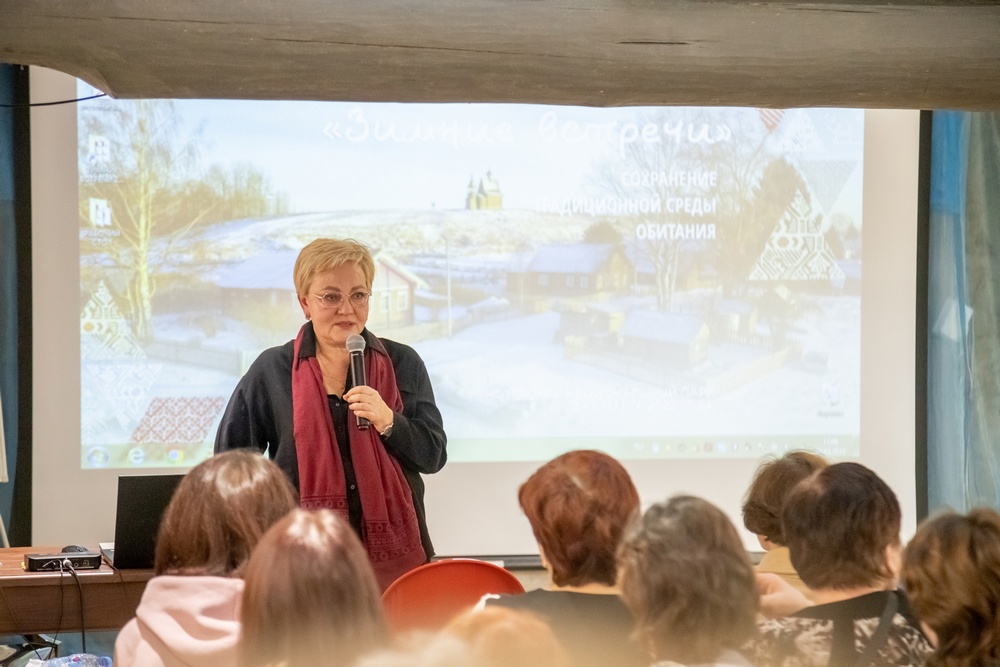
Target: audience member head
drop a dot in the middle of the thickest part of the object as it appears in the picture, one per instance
(687, 579)
(311, 597)
(219, 511)
(488, 637)
(502, 637)
(578, 505)
(841, 526)
(951, 570)
(771, 484)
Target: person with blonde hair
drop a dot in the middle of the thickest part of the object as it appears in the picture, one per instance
(310, 598)
(357, 448)
(500, 637)
(189, 612)
(951, 571)
(689, 583)
(488, 637)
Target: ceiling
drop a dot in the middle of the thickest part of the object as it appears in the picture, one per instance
(916, 54)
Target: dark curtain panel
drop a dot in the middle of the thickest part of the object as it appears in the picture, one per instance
(15, 302)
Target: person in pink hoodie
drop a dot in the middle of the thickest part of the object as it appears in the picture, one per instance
(189, 614)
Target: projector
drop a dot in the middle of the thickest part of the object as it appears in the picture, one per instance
(87, 560)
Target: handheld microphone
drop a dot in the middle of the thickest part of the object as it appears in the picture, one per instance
(356, 348)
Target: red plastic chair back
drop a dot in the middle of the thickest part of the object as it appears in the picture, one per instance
(429, 596)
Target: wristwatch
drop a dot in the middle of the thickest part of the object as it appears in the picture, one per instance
(387, 431)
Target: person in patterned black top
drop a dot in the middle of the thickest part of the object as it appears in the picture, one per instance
(842, 529)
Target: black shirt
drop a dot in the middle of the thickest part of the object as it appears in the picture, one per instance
(595, 629)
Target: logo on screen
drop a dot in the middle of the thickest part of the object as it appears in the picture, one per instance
(98, 457)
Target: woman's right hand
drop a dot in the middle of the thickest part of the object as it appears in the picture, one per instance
(778, 597)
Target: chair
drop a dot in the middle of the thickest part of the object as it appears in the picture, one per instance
(427, 597)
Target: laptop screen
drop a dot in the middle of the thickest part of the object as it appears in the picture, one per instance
(142, 499)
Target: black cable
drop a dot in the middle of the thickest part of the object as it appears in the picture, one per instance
(121, 583)
(62, 604)
(83, 626)
(50, 104)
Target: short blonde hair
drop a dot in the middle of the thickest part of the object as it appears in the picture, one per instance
(502, 637)
(325, 254)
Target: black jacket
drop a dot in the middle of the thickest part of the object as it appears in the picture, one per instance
(259, 416)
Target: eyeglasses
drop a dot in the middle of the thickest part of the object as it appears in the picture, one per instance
(336, 299)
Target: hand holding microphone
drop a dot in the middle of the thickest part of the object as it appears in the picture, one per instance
(362, 399)
(356, 348)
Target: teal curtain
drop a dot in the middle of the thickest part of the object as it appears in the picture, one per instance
(963, 392)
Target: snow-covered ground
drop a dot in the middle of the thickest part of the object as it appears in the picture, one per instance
(511, 380)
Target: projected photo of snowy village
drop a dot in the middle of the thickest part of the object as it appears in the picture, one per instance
(670, 282)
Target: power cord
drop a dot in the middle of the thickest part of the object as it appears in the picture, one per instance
(67, 564)
(62, 603)
(50, 104)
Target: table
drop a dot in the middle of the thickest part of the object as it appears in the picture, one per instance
(47, 602)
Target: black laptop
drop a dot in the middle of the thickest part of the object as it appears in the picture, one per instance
(142, 500)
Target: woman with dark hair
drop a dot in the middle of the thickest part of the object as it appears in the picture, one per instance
(578, 505)
(189, 612)
(842, 526)
(773, 481)
(689, 583)
(357, 446)
(311, 598)
(950, 570)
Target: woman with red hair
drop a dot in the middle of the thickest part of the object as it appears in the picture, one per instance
(579, 504)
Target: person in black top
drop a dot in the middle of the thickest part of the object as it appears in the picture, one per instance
(297, 403)
(579, 504)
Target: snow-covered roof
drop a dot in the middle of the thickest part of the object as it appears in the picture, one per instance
(735, 307)
(519, 262)
(571, 258)
(689, 251)
(407, 275)
(663, 327)
(273, 270)
(268, 270)
(489, 184)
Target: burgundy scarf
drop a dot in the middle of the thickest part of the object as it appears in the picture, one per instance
(389, 530)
